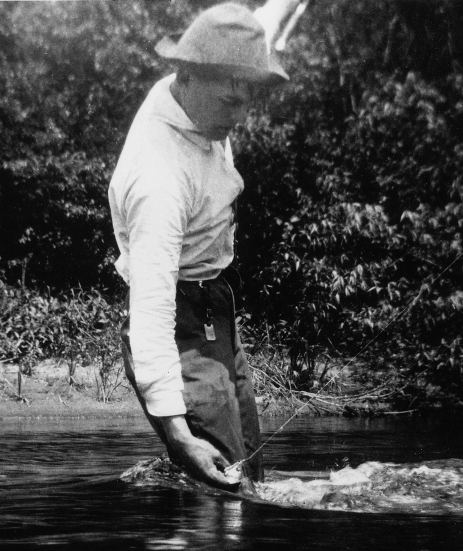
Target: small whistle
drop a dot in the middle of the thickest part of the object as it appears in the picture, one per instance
(209, 330)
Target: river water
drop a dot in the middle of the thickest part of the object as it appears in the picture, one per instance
(60, 487)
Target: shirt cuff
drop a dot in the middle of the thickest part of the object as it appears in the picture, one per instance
(165, 404)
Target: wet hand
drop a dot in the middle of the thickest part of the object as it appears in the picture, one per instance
(198, 456)
(204, 460)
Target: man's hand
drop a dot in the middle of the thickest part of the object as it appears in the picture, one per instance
(198, 456)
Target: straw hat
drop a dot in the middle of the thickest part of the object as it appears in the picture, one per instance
(229, 38)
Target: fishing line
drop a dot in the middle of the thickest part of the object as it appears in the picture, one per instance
(401, 313)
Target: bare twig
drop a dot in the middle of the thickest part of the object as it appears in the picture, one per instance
(62, 401)
(399, 412)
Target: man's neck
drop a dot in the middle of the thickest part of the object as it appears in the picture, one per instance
(178, 95)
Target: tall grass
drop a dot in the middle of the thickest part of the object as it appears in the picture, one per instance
(80, 327)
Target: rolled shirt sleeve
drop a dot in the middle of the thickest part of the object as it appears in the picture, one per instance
(157, 206)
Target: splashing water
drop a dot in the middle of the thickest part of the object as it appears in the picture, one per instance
(434, 487)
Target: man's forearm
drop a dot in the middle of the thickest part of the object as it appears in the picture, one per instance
(176, 429)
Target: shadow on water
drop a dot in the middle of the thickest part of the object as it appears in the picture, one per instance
(59, 486)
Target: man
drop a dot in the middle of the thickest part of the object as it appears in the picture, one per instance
(172, 203)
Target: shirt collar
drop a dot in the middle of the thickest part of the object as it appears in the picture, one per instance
(169, 111)
(195, 137)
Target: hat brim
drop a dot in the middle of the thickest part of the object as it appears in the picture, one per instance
(168, 49)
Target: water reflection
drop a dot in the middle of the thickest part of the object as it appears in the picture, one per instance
(59, 487)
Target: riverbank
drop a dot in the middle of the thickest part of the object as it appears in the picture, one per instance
(50, 391)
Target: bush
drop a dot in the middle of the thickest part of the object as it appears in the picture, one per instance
(79, 326)
(355, 224)
(69, 93)
(32, 326)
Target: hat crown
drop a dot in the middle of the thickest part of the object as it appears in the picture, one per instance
(228, 36)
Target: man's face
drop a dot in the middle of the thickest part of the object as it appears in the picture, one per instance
(216, 106)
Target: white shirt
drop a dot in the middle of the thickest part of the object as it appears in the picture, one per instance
(171, 199)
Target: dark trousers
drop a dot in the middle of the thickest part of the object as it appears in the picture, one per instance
(218, 391)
